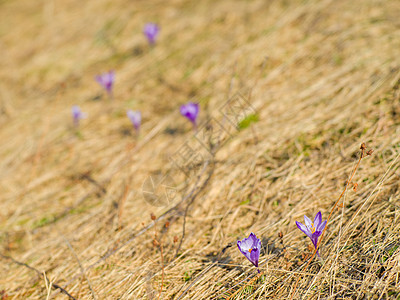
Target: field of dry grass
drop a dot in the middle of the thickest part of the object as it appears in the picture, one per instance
(317, 78)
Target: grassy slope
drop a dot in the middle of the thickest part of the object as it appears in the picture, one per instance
(331, 81)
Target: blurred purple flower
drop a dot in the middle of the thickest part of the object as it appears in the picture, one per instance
(135, 117)
(313, 230)
(151, 31)
(251, 247)
(190, 111)
(77, 115)
(106, 80)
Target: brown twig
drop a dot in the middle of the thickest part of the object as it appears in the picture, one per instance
(213, 149)
(157, 242)
(54, 285)
(162, 271)
(183, 231)
(189, 197)
(89, 178)
(80, 265)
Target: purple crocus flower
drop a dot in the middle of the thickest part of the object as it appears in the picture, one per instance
(313, 230)
(190, 111)
(77, 115)
(151, 31)
(106, 80)
(251, 247)
(135, 117)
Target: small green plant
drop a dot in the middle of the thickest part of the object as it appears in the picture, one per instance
(247, 201)
(43, 221)
(247, 121)
(187, 276)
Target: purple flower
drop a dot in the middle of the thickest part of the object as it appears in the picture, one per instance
(151, 31)
(313, 230)
(77, 115)
(135, 117)
(106, 80)
(251, 247)
(190, 111)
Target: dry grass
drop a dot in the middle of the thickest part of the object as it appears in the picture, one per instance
(72, 205)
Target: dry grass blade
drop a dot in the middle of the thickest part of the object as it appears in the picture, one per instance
(349, 182)
(47, 281)
(287, 92)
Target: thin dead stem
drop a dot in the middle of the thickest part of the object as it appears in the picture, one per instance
(348, 183)
(48, 286)
(122, 204)
(251, 281)
(54, 285)
(80, 266)
(183, 230)
(158, 242)
(162, 270)
(191, 196)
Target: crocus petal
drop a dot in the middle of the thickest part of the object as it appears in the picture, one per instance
(321, 226)
(314, 239)
(253, 257)
(247, 254)
(100, 80)
(258, 244)
(253, 239)
(190, 111)
(307, 221)
(239, 244)
(243, 248)
(317, 219)
(151, 31)
(250, 248)
(135, 117)
(304, 229)
(246, 244)
(109, 80)
(106, 80)
(111, 76)
(183, 110)
(77, 114)
(317, 228)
